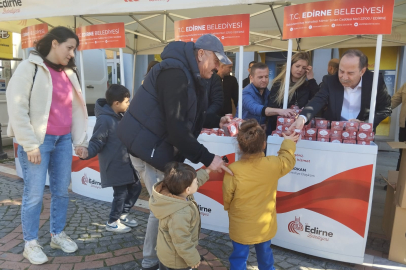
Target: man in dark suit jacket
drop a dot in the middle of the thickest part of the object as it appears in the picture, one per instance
(247, 80)
(347, 94)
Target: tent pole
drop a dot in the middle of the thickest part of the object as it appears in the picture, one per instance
(122, 67)
(24, 54)
(287, 78)
(376, 76)
(240, 67)
(134, 63)
(82, 76)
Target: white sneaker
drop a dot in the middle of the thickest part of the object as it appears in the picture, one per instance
(64, 242)
(33, 252)
(117, 227)
(126, 221)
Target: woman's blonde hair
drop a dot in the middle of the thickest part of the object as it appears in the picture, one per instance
(281, 77)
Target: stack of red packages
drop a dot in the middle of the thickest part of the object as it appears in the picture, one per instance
(340, 132)
(213, 132)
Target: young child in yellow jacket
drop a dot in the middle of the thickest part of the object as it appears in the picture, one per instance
(250, 195)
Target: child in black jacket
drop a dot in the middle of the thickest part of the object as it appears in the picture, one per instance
(116, 169)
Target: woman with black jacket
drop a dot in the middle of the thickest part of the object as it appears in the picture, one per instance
(302, 87)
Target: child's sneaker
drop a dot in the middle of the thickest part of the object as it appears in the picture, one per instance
(33, 252)
(126, 221)
(117, 227)
(64, 242)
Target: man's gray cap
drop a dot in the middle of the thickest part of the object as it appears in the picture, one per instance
(210, 42)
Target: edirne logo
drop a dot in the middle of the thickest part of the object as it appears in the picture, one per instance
(295, 226)
(312, 232)
(11, 6)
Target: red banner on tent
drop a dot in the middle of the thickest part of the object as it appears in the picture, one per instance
(232, 30)
(101, 36)
(338, 17)
(31, 34)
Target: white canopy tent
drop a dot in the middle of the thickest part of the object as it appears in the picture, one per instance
(150, 24)
(152, 21)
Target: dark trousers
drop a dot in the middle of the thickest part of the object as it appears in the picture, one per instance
(124, 198)
(239, 257)
(402, 138)
(163, 267)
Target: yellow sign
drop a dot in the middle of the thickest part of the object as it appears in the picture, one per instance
(6, 45)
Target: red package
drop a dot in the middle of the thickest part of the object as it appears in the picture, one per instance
(336, 140)
(323, 139)
(276, 133)
(365, 127)
(311, 132)
(365, 136)
(221, 133)
(364, 142)
(279, 127)
(309, 138)
(205, 132)
(351, 126)
(337, 125)
(350, 141)
(230, 129)
(285, 128)
(321, 123)
(336, 134)
(288, 121)
(349, 135)
(214, 131)
(280, 120)
(323, 133)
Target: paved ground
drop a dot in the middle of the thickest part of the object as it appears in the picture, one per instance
(99, 249)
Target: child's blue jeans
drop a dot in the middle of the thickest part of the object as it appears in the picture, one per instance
(238, 259)
(56, 160)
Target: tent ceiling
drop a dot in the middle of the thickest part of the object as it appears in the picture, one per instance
(265, 34)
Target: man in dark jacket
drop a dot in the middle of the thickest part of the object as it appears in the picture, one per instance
(230, 88)
(216, 96)
(247, 80)
(166, 116)
(348, 94)
(116, 170)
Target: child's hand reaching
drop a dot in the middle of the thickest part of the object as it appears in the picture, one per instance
(293, 137)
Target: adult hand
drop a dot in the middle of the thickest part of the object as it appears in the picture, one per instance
(293, 137)
(197, 265)
(34, 156)
(81, 152)
(287, 113)
(224, 120)
(218, 165)
(298, 124)
(309, 73)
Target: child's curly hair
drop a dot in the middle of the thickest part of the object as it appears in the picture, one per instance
(251, 137)
(178, 176)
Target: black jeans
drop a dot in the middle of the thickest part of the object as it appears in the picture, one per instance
(163, 267)
(124, 198)
(402, 138)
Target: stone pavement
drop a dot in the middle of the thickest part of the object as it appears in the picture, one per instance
(99, 249)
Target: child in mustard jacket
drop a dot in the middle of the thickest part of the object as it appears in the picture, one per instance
(250, 195)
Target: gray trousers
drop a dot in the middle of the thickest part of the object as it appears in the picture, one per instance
(150, 176)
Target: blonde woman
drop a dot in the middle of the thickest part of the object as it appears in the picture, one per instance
(302, 87)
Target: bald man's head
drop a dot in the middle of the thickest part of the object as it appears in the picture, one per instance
(333, 66)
